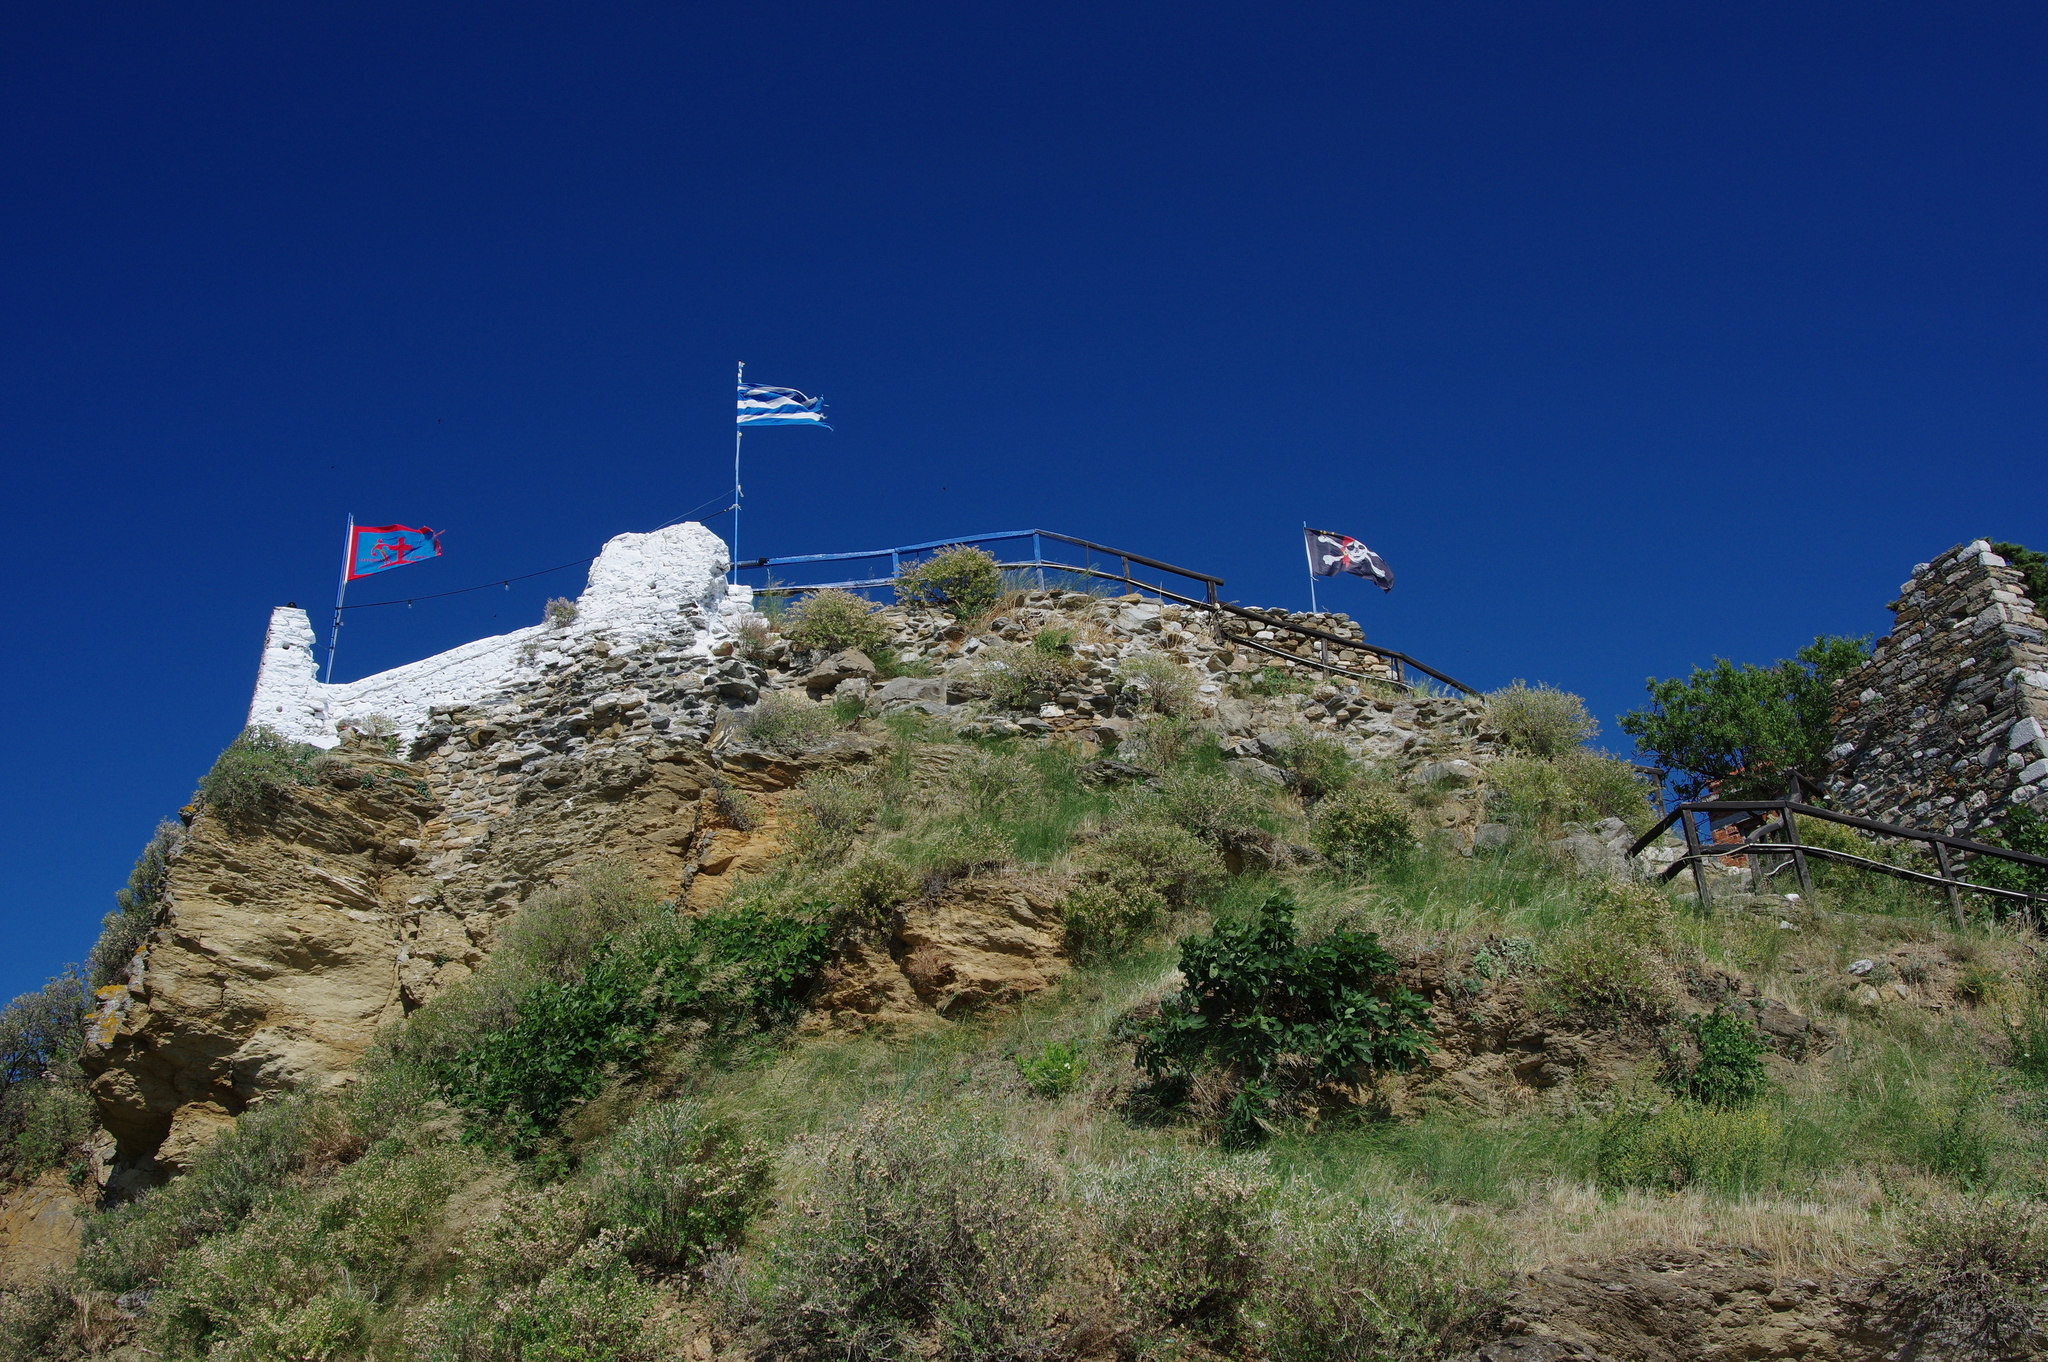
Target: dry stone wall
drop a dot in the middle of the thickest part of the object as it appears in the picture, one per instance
(1946, 726)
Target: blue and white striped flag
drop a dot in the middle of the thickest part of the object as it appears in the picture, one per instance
(780, 407)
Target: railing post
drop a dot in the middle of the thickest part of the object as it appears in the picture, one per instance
(1955, 899)
(1699, 871)
(1798, 857)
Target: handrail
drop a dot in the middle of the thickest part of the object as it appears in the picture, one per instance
(1790, 810)
(1211, 582)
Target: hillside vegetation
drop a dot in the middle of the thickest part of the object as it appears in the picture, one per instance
(1317, 1080)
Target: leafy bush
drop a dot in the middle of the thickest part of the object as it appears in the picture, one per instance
(1683, 1144)
(557, 932)
(2022, 830)
(1157, 682)
(1349, 1282)
(1014, 673)
(827, 814)
(1273, 681)
(1188, 1234)
(248, 775)
(727, 970)
(1577, 786)
(123, 931)
(1136, 874)
(786, 722)
(44, 1111)
(1163, 740)
(832, 621)
(1255, 995)
(1540, 720)
(1971, 1281)
(1613, 960)
(912, 1234)
(1320, 766)
(961, 579)
(1055, 1070)
(677, 1184)
(1363, 829)
(1726, 1067)
(1228, 811)
(1742, 728)
(39, 1320)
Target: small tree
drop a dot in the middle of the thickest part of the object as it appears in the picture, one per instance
(962, 579)
(1745, 727)
(2033, 567)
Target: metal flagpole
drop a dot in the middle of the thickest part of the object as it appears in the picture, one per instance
(737, 431)
(1309, 554)
(348, 540)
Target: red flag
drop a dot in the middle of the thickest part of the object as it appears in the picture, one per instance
(380, 548)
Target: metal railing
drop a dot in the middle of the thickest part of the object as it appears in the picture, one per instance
(1041, 561)
(1784, 823)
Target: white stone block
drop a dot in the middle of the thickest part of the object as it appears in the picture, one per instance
(2035, 772)
(2022, 733)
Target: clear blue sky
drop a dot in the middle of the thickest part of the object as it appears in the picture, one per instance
(1629, 334)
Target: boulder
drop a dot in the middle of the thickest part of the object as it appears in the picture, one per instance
(841, 666)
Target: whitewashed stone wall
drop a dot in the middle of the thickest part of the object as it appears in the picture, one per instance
(668, 585)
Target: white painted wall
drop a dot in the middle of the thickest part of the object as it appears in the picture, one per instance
(668, 585)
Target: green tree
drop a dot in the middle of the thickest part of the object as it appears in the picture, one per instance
(2033, 566)
(1744, 727)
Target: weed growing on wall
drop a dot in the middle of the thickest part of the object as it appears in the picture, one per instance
(248, 775)
(832, 621)
(961, 579)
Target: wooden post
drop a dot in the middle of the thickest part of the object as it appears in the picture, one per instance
(1798, 857)
(1955, 900)
(1699, 871)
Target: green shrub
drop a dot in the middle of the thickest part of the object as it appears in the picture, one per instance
(912, 1234)
(784, 721)
(1254, 994)
(1188, 1234)
(1683, 1144)
(1320, 766)
(1577, 786)
(1162, 741)
(732, 969)
(678, 1184)
(1016, 673)
(1613, 960)
(44, 1111)
(248, 775)
(1725, 1068)
(2033, 568)
(1970, 1284)
(832, 621)
(827, 814)
(1349, 1282)
(1156, 682)
(1228, 811)
(1269, 681)
(123, 931)
(1055, 1070)
(554, 1298)
(40, 1320)
(961, 579)
(1053, 639)
(1363, 830)
(2022, 830)
(557, 932)
(1540, 720)
(1164, 857)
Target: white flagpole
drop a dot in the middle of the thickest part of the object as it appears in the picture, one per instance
(737, 431)
(348, 540)
(1309, 554)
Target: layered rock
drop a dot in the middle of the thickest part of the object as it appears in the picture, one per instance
(1946, 726)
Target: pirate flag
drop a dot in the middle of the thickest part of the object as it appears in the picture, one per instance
(1330, 554)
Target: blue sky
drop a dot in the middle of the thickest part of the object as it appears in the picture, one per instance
(1629, 334)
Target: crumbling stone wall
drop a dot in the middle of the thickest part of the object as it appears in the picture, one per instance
(1946, 727)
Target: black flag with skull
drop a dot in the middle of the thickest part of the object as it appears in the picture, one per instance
(1330, 554)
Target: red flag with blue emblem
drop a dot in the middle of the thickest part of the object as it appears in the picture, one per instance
(380, 548)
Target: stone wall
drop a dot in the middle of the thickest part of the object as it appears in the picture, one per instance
(668, 585)
(1946, 727)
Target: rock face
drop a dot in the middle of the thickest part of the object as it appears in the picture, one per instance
(1946, 727)
(284, 945)
(40, 1227)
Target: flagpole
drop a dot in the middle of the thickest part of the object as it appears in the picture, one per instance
(1309, 554)
(348, 540)
(737, 431)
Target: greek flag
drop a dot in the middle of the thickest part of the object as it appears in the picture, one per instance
(780, 407)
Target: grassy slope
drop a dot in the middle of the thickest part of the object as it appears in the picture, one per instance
(386, 1222)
